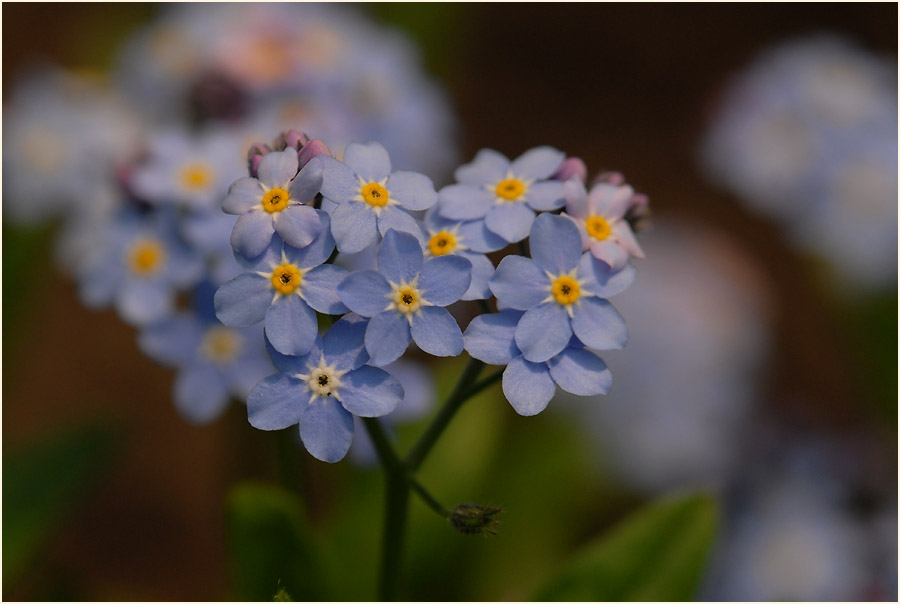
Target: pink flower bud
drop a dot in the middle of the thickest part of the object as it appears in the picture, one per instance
(312, 149)
(572, 167)
(291, 139)
(254, 155)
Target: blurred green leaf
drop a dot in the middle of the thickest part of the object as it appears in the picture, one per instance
(42, 482)
(282, 596)
(657, 554)
(273, 551)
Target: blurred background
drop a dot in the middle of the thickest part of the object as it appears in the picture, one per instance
(761, 366)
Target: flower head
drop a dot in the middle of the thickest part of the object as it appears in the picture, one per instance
(466, 239)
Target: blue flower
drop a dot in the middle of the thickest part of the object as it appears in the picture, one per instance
(505, 194)
(405, 299)
(279, 201)
(529, 386)
(464, 239)
(561, 291)
(139, 267)
(285, 286)
(215, 363)
(370, 198)
(323, 390)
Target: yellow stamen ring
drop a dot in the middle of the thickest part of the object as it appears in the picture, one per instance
(597, 227)
(406, 298)
(146, 257)
(375, 195)
(221, 344)
(275, 200)
(510, 189)
(566, 290)
(442, 243)
(286, 278)
(196, 176)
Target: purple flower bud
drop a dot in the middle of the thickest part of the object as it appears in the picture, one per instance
(254, 155)
(311, 149)
(291, 139)
(570, 168)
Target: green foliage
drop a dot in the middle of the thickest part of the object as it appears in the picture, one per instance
(657, 554)
(42, 483)
(282, 596)
(272, 550)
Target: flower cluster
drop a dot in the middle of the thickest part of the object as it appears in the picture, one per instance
(554, 316)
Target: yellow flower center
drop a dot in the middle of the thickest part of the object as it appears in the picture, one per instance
(220, 344)
(510, 189)
(275, 200)
(406, 298)
(286, 278)
(566, 290)
(196, 176)
(146, 257)
(597, 227)
(375, 195)
(442, 243)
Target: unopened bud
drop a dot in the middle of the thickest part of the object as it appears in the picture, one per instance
(474, 519)
(254, 155)
(312, 149)
(572, 167)
(617, 179)
(290, 139)
(638, 213)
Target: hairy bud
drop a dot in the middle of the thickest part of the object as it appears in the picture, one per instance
(474, 519)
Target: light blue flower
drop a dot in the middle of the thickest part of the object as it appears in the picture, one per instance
(529, 386)
(139, 267)
(405, 299)
(464, 239)
(505, 194)
(323, 390)
(562, 292)
(215, 363)
(279, 201)
(285, 286)
(370, 199)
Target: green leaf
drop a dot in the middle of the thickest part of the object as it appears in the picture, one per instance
(42, 482)
(273, 552)
(657, 554)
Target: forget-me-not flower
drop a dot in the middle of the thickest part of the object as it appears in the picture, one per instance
(529, 386)
(323, 390)
(285, 286)
(505, 194)
(561, 291)
(370, 198)
(405, 299)
(600, 218)
(468, 240)
(278, 201)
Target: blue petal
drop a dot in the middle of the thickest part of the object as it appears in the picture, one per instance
(319, 289)
(555, 244)
(543, 332)
(344, 344)
(392, 217)
(244, 300)
(318, 251)
(252, 233)
(537, 163)
(399, 257)
(370, 392)
(326, 429)
(482, 271)
(99, 282)
(519, 283)
(511, 220)
(435, 331)
(308, 182)
(277, 168)
(200, 393)
(365, 292)
(464, 202)
(172, 342)
(478, 238)
(598, 325)
(353, 227)
(527, 386)
(605, 282)
(140, 302)
(244, 194)
(369, 160)
(277, 402)
(580, 372)
(387, 337)
(492, 338)
(244, 374)
(415, 191)
(445, 279)
(293, 364)
(264, 262)
(339, 183)
(291, 325)
(298, 226)
(547, 195)
(488, 167)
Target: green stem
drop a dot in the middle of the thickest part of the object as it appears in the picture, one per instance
(428, 498)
